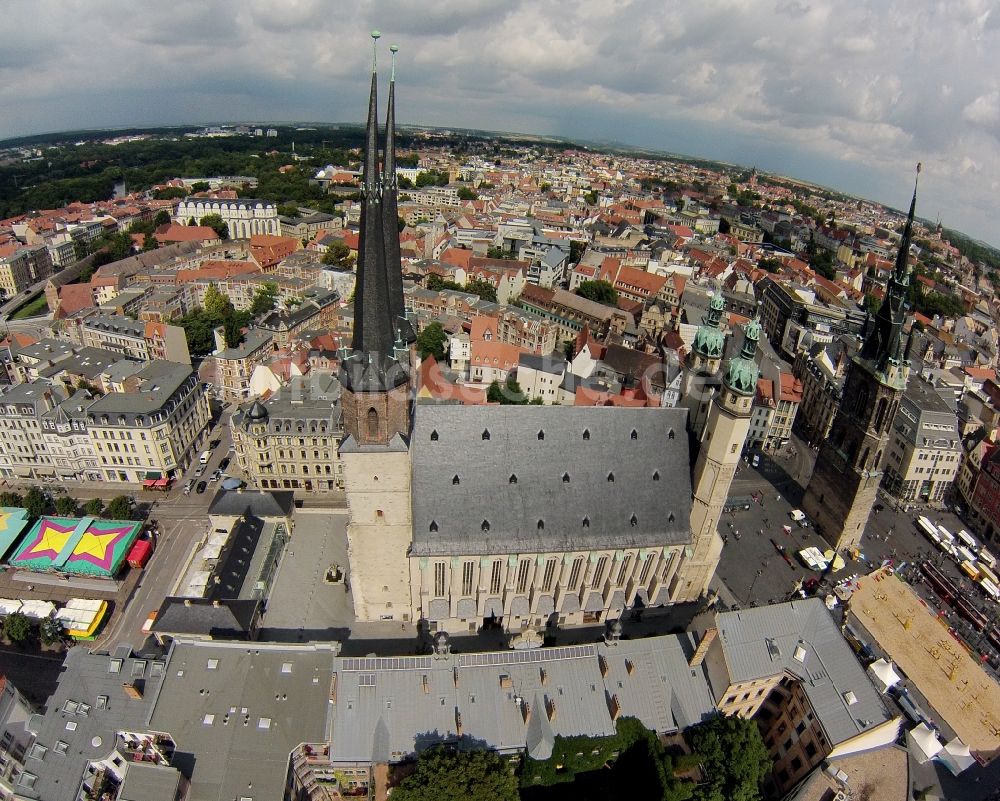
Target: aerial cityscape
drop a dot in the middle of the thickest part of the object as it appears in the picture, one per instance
(396, 457)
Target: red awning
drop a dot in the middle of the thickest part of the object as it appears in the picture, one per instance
(149, 482)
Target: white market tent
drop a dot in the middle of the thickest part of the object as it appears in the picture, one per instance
(883, 675)
(956, 756)
(923, 743)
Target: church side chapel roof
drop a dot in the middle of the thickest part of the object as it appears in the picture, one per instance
(503, 479)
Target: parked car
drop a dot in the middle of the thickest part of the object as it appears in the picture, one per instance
(189, 486)
(202, 486)
(224, 463)
(148, 624)
(215, 443)
(215, 476)
(200, 471)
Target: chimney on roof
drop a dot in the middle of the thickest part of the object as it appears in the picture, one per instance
(187, 602)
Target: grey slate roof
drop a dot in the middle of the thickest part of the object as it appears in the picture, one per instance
(762, 642)
(159, 382)
(541, 472)
(88, 732)
(259, 504)
(264, 700)
(220, 619)
(148, 782)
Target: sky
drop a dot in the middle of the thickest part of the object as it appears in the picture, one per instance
(845, 93)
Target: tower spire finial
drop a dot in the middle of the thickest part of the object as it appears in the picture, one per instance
(375, 36)
(393, 49)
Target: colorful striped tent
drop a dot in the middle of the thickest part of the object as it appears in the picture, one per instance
(13, 520)
(83, 546)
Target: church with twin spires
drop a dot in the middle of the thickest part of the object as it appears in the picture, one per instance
(521, 517)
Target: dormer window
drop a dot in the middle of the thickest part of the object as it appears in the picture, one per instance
(433, 527)
(670, 517)
(486, 434)
(656, 475)
(486, 525)
(565, 478)
(634, 521)
(456, 480)
(541, 525)
(586, 433)
(541, 435)
(611, 478)
(634, 434)
(670, 434)
(434, 436)
(585, 522)
(512, 479)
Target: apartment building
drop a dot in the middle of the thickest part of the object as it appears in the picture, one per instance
(154, 429)
(788, 667)
(136, 339)
(15, 738)
(925, 450)
(234, 366)
(150, 421)
(571, 313)
(23, 267)
(292, 439)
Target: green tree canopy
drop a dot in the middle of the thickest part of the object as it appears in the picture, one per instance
(599, 291)
(465, 193)
(17, 627)
(338, 254)
(162, 218)
(51, 630)
(497, 252)
(119, 508)
(433, 341)
(217, 224)
(509, 394)
(734, 759)
(10, 499)
(264, 299)
(217, 304)
(484, 289)
(66, 506)
(443, 775)
(93, 507)
(36, 503)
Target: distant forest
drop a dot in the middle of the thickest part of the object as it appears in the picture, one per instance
(87, 172)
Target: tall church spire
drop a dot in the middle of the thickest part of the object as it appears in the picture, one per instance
(372, 365)
(402, 329)
(883, 343)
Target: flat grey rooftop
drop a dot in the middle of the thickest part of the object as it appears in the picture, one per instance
(536, 479)
(236, 711)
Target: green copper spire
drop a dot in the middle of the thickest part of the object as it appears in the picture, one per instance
(709, 341)
(743, 372)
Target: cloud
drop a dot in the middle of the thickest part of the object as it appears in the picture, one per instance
(850, 95)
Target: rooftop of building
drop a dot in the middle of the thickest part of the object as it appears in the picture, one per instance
(158, 382)
(964, 697)
(542, 479)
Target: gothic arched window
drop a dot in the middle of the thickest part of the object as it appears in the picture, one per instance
(372, 423)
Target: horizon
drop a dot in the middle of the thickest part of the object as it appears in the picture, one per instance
(765, 84)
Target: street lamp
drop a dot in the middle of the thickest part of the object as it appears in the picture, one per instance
(750, 591)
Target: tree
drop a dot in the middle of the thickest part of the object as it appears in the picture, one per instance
(217, 304)
(497, 252)
(36, 502)
(119, 508)
(433, 341)
(93, 507)
(484, 289)
(149, 243)
(288, 210)
(10, 499)
(576, 249)
(162, 218)
(508, 394)
(200, 186)
(465, 193)
(733, 757)
(467, 775)
(338, 254)
(50, 630)
(599, 291)
(66, 506)
(17, 627)
(590, 198)
(217, 224)
(198, 330)
(264, 299)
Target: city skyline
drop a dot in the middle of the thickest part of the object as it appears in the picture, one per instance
(849, 100)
